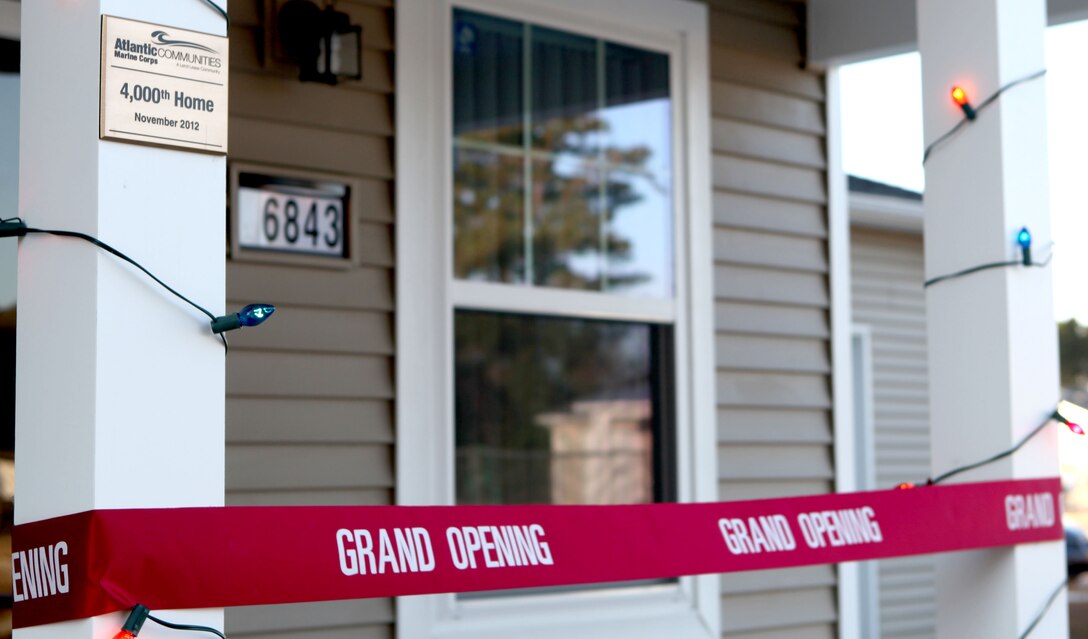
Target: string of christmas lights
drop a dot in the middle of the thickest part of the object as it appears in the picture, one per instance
(140, 614)
(221, 11)
(1023, 239)
(1045, 609)
(1055, 416)
(251, 315)
(970, 113)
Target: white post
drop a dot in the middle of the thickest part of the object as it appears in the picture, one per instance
(992, 338)
(120, 386)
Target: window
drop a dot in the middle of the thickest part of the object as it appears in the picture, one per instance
(553, 272)
(561, 168)
(560, 410)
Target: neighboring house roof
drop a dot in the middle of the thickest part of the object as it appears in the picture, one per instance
(883, 206)
(861, 185)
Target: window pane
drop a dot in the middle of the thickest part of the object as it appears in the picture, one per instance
(487, 78)
(561, 411)
(638, 122)
(566, 97)
(597, 160)
(637, 113)
(639, 241)
(488, 218)
(566, 207)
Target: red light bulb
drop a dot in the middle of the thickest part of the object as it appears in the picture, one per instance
(959, 96)
(905, 486)
(1077, 430)
(135, 621)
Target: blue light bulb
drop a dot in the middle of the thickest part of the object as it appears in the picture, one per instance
(254, 314)
(251, 315)
(1024, 238)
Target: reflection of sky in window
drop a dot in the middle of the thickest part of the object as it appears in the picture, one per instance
(646, 124)
(647, 225)
(647, 222)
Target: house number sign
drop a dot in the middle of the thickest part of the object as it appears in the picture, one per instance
(284, 216)
(163, 86)
(294, 222)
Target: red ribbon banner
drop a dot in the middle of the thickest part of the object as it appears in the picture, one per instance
(102, 561)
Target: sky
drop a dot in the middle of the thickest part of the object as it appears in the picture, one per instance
(882, 141)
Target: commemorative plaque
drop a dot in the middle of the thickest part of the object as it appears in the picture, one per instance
(163, 86)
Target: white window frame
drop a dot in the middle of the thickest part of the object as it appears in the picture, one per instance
(861, 354)
(427, 293)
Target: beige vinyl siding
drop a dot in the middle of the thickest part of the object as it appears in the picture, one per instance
(771, 298)
(887, 275)
(309, 414)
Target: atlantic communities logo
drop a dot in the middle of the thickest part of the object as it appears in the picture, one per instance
(160, 37)
(162, 47)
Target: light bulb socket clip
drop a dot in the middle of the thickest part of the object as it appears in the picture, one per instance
(225, 323)
(13, 228)
(136, 619)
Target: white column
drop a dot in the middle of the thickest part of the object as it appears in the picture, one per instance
(992, 338)
(120, 386)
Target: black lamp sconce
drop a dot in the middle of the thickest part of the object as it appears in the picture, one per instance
(323, 42)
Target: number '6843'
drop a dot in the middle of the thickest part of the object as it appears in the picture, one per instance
(320, 222)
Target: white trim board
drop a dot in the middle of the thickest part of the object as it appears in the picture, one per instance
(846, 480)
(844, 31)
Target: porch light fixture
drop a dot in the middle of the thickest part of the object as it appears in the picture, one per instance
(959, 96)
(323, 42)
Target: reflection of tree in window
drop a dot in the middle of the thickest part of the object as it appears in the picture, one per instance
(562, 166)
(568, 198)
(487, 213)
